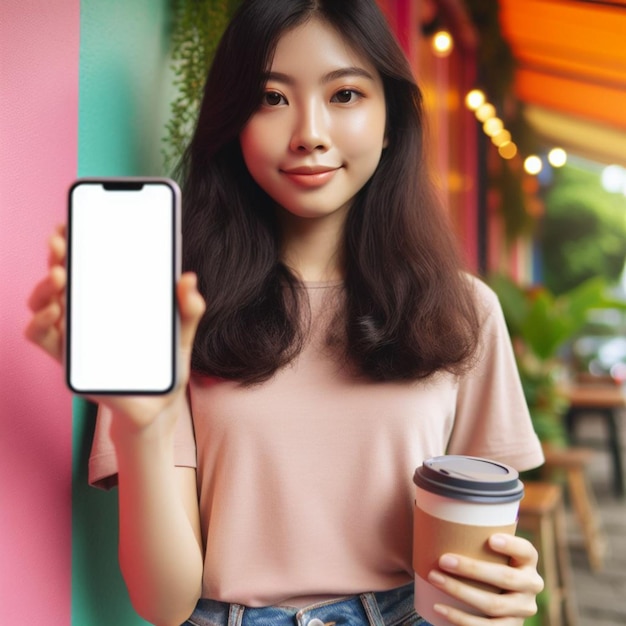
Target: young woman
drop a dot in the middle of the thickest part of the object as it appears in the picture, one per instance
(340, 346)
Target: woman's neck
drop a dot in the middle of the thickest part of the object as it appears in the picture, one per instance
(312, 248)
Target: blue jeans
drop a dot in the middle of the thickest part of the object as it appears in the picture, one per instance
(382, 608)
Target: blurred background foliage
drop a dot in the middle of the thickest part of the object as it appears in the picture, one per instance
(197, 26)
(543, 326)
(583, 231)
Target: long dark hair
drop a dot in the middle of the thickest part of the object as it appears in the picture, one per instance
(408, 309)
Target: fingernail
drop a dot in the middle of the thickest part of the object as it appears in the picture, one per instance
(441, 609)
(448, 561)
(436, 577)
(498, 541)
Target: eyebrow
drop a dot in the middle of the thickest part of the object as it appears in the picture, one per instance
(328, 78)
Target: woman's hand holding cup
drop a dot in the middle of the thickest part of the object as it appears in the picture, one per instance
(510, 592)
(470, 568)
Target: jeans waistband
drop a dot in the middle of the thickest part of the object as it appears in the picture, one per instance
(382, 608)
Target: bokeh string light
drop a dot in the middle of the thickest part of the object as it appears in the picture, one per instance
(493, 127)
(613, 179)
(557, 157)
(533, 164)
(442, 43)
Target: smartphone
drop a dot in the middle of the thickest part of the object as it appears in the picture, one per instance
(123, 263)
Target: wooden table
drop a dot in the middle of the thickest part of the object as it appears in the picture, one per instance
(606, 401)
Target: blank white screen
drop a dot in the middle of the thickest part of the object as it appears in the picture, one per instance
(121, 303)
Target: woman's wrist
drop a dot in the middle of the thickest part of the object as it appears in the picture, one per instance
(129, 432)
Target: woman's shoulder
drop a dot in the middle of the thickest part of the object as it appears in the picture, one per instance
(485, 299)
(483, 294)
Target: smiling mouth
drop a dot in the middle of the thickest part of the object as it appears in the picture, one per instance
(310, 176)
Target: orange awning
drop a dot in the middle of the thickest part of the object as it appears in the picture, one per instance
(571, 57)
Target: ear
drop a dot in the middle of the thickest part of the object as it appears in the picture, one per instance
(385, 141)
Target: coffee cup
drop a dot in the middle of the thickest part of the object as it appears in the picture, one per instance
(460, 501)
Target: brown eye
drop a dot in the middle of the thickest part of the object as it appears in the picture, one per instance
(344, 96)
(273, 98)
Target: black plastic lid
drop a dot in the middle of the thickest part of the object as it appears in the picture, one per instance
(469, 478)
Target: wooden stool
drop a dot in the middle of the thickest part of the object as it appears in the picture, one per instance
(542, 518)
(573, 461)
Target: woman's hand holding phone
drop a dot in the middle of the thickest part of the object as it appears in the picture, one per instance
(47, 330)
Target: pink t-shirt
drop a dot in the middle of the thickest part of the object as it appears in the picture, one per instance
(305, 481)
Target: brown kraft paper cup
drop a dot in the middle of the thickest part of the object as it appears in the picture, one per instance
(460, 502)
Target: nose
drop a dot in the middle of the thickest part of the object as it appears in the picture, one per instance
(311, 129)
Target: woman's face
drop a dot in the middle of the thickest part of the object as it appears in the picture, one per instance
(319, 133)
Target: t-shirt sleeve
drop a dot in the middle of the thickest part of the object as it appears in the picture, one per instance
(103, 462)
(492, 418)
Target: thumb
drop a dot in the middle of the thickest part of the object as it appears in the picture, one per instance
(192, 307)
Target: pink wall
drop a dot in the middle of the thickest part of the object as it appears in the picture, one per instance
(38, 135)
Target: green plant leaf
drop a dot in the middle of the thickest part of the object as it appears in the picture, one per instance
(544, 329)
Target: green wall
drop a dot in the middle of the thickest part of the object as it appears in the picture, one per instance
(123, 102)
